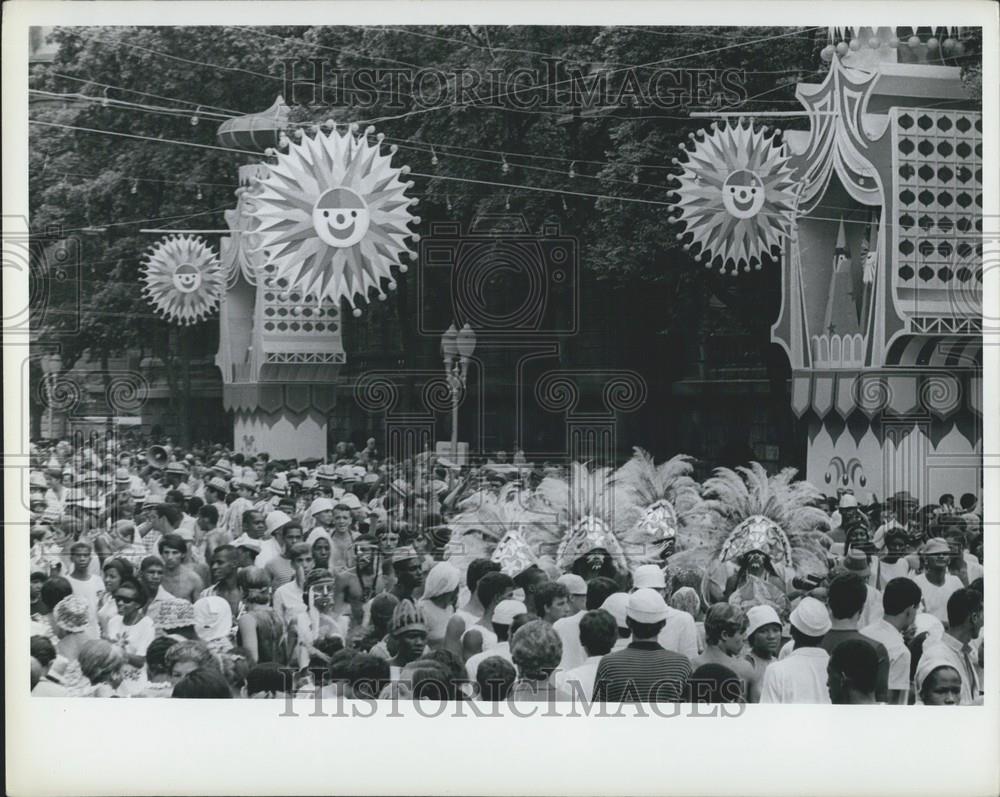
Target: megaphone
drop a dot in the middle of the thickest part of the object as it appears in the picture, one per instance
(158, 456)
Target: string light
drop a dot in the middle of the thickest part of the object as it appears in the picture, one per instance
(434, 157)
(635, 176)
(572, 170)
(505, 167)
(199, 192)
(565, 209)
(506, 203)
(135, 187)
(106, 102)
(194, 119)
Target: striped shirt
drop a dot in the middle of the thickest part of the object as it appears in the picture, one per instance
(643, 672)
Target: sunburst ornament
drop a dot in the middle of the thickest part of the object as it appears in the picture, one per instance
(183, 279)
(333, 216)
(737, 197)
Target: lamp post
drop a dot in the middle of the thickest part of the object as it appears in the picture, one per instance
(456, 349)
(51, 366)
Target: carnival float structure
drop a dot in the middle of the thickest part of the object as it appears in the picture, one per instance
(320, 221)
(874, 217)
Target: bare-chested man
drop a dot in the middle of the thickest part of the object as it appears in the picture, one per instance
(179, 579)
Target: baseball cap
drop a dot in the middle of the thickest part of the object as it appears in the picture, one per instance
(617, 605)
(811, 617)
(649, 577)
(646, 605)
(758, 616)
(573, 583)
(507, 610)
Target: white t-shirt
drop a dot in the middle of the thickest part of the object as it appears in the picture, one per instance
(136, 637)
(583, 676)
(679, 634)
(798, 678)
(873, 610)
(501, 649)
(568, 628)
(899, 654)
(935, 597)
(489, 638)
(288, 602)
(90, 590)
(269, 549)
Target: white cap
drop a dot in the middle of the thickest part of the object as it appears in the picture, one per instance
(351, 500)
(574, 583)
(275, 520)
(758, 616)
(321, 504)
(507, 610)
(617, 605)
(811, 617)
(649, 576)
(646, 605)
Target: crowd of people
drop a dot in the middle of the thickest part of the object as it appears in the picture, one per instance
(211, 574)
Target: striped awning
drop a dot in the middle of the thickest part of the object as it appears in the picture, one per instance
(937, 351)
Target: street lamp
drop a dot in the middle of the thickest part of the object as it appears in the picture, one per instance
(456, 349)
(51, 366)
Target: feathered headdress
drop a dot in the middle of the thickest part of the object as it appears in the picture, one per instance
(494, 524)
(584, 512)
(754, 512)
(660, 504)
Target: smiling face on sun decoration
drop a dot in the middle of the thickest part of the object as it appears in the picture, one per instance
(340, 217)
(187, 278)
(743, 194)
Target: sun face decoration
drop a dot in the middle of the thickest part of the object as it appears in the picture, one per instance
(333, 217)
(183, 279)
(736, 196)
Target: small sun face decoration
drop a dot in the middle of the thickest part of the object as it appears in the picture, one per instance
(183, 279)
(333, 217)
(757, 533)
(736, 197)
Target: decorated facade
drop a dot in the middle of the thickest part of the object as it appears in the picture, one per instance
(874, 217)
(322, 220)
(882, 274)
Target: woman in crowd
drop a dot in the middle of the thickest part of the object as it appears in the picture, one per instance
(260, 631)
(116, 571)
(101, 664)
(53, 591)
(131, 631)
(439, 600)
(536, 650)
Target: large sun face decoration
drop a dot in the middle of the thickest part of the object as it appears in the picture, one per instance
(736, 196)
(333, 217)
(757, 533)
(183, 279)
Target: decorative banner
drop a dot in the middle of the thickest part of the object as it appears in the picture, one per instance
(736, 197)
(333, 217)
(183, 279)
